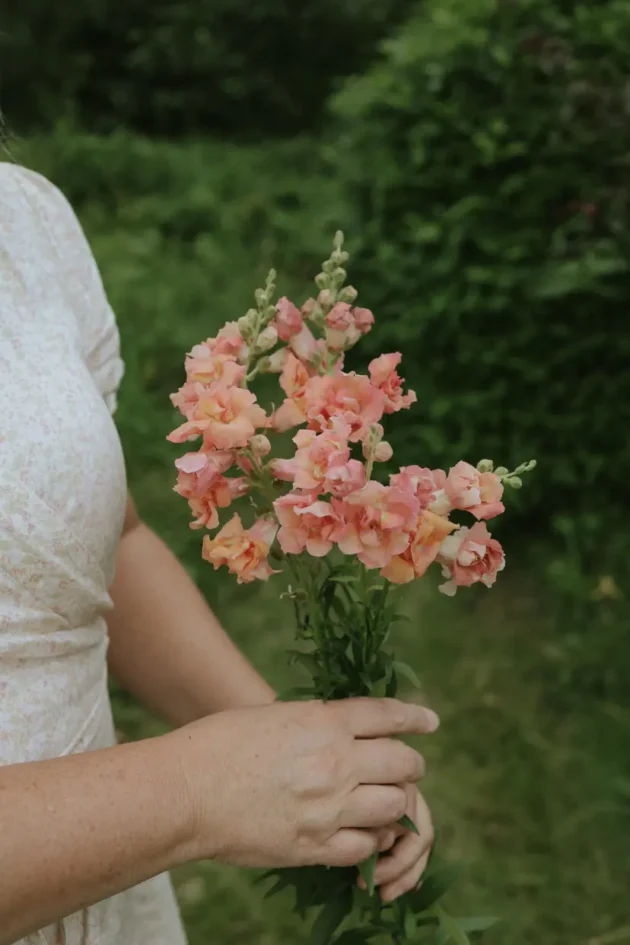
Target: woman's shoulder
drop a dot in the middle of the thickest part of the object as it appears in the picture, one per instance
(34, 195)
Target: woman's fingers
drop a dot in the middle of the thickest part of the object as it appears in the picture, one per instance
(406, 882)
(386, 761)
(349, 848)
(385, 839)
(405, 856)
(375, 718)
(373, 806)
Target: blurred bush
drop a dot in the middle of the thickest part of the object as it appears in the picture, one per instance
(182, 66)
(486, 156)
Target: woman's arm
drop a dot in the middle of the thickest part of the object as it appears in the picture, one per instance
(243, 786)
(78, 829)
(166, 645)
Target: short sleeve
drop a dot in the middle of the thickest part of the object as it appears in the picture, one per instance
(98, 331)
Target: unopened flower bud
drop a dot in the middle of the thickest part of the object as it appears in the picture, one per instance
(376, 432)
(501, 471)
(515, 482)
(326, 298)
(246, 323)
(372, 440)
(339, 275)
(322, 281)
(267, 339)
(383, 452)
(485, 465)
(275, 362)
(260, 445)
(309, 307)
(348, 294)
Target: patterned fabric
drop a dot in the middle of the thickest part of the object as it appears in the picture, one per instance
(62, 501)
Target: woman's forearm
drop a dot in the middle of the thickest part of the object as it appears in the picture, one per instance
(79, 829)
(166, 646)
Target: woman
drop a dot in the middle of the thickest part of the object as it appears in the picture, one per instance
(88, 828)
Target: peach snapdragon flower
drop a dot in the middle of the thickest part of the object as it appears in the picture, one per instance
(426, 484)
(227, 417)
(322, 461)
(293, 381)
(476, 492)
(288, 321)
(350, 397)
(197, 470)
(187, 397)
(374, 520)
(243, 551)
(211, 367)
(306, 523)
(470, 556)
(426, 537)
(384, 376)
(345, 325)
(200, 480)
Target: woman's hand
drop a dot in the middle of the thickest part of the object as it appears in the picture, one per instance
(408, 853)
(295, 784)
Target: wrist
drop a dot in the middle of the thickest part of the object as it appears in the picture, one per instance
(174, 755)
(194, 786)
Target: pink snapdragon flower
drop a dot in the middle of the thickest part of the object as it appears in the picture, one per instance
(426, 484)
(304, 344)
(200, 480)
(470, 556)
(227, 417)
(426, 537)
(229, 341)
(384, 376)
(349, 396)
(243, 551)
(210, 368)
(293, 381)
(187, 397)
(475, 492)
(306, 523)
(288, 321)
(374, 520)
(219, 495)
(322, 461)
(345, 325)
(195, 471)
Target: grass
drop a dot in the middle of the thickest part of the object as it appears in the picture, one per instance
(529, 776)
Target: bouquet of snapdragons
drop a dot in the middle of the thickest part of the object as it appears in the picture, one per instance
(340, 537)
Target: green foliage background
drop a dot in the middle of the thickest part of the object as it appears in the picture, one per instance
(476, 154)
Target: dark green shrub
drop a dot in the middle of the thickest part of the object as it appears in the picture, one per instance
(487, 159)
(176, 66)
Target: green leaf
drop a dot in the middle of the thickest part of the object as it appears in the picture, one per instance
(434, 887)
(403, 669)
(408, 824)
(452, 927)
(330, 918)
(392, 685)
(367, 872)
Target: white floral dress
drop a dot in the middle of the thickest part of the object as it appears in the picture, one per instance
(62, 500)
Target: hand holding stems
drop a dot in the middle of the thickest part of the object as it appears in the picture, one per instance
(298, 784)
